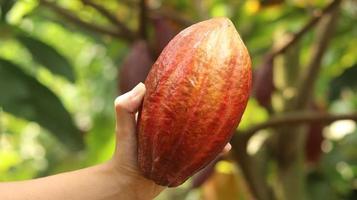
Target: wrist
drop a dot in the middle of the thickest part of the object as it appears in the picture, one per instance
(132, 183)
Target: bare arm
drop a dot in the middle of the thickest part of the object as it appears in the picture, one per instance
(118, 178)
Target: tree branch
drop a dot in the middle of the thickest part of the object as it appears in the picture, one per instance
(311, 23)
(143, 19)
(200, 9)
(270, 56)
(174, 16)
(254, 178)
(130, 3)
(90, 26)
(164, 12)
(296, 119)
(247, 164)
(324, 35)
(106, 13)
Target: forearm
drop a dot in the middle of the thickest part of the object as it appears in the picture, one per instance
(101, 182)
(117, 179)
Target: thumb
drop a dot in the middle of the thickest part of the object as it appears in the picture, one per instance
(126, 106)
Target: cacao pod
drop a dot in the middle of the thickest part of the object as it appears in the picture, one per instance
(314, 137)
(165, 30)
(314, 141)
(204, 174)
(196, 93)
(135, 67)
(263, 84)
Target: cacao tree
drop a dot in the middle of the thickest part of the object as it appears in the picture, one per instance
(62, 62)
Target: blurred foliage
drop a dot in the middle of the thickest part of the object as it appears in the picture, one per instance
(58, 82)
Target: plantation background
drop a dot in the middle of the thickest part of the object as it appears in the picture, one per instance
(62, 63)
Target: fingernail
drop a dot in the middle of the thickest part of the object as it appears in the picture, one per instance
(229, 146)
(133, 94)
(138, 90)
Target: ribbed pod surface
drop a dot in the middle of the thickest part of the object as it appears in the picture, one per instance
(197, 91)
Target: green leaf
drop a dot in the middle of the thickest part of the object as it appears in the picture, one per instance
(253, 114)
(23, 96)
(47, 56)
(346, 80)
(5, 6)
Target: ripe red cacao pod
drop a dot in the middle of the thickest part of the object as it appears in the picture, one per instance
(314, 140)
(135, 66)
(314, 137)
(197, 91)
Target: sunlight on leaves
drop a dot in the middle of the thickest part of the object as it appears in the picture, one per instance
(225, 167)
(20, 9)
(254, 113)
(257, 141)
(220, 10)
(9, 156)
(252, 7)
(339, 129)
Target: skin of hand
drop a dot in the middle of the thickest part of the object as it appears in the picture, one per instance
(125, 157)
(119, 178)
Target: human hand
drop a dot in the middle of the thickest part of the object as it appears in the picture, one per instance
(119, 178)
(125, 156)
